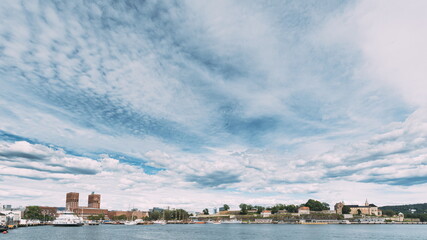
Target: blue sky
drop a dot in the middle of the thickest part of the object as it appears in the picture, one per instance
(199, 103)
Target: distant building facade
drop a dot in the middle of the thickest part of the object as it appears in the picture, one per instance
(3, 219)
(400, 217)
(261, 220)
(93, 208)
(11, 217)
(338, 207)
(85, 212)
(49, 211)
(156, 209)
(128, 214)
(6, 208)
(371, 220)
(304, 210)
(94, 200)
(367, 209)
(266, 213)
(72, 200)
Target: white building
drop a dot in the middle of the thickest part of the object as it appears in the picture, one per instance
(304, 210)
(265, 213)
(371, 220)
(2, 219)
(263, 221)
(13, 216)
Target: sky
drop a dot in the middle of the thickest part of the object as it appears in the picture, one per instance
(196, 104)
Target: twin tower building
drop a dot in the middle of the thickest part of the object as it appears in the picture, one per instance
(72, 201)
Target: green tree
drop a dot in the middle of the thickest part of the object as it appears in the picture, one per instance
(155, 215)
(315, 205)
(33, 212)
(206, 211)
(291, 208)
(274, 209)
(359, 212)
(181, 214)
(120, 218)
(281, 206)
(325, 206)
(243, 208)
(226, 207)
(346, 209)
(277, 207)
(96, 217)
(389, 213)
(259, 209)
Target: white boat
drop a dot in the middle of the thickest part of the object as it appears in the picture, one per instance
(91, 222)
(132, 222)
(68, 219)
(129, 223)
(162, 222)
(213, 222)
(232, 221)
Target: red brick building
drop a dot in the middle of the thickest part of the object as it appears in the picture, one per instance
(72, 200)
(49, 211)
(85, 212)
(93, 208)
(128, 214)
(94, 200)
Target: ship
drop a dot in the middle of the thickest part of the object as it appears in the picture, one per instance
(68, 219)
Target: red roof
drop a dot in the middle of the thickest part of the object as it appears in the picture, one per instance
(304, 208)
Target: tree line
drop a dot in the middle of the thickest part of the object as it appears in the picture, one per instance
(36, 213)
(245, 209)
(176, 214)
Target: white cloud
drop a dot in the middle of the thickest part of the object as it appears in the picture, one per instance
(390, 36)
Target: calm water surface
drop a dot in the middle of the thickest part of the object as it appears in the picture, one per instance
(222, 231)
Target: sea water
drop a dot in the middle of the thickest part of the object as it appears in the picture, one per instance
(222, 231)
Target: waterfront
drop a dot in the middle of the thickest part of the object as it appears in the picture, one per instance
(222, 231)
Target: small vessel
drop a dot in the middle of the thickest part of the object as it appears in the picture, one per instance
(161, 222)
(130, 223)
(199, 222)
(3, 229)
(232, 221)
(92, 223)
(68, 219)
(213, 222)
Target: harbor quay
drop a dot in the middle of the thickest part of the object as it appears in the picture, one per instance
(312, 212)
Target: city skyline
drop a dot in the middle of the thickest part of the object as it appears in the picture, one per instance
(195, 104)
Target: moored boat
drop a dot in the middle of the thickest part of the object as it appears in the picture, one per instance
(68, 219)
(161, 222)
(232, 221)
(129, 223)
(3, 229)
